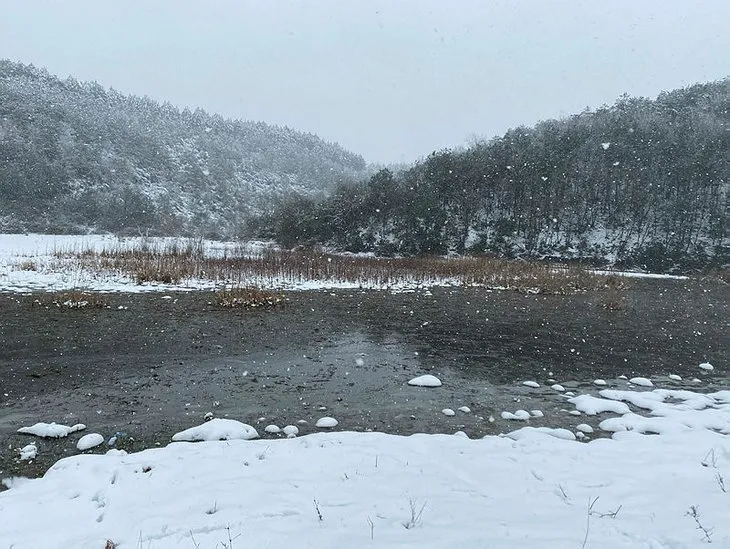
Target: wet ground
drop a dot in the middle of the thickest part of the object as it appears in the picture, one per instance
(150, 365)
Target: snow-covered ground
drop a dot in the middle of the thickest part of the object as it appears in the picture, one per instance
(534, 487)
(662, 480)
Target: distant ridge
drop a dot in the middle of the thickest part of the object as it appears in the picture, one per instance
(76, 157)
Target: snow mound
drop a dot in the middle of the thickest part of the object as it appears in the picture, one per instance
(530, 432)
(707, 366)
(217, 429)
(671, 411)
(592, 405)
(584, 428)
(326, 423)
(464, 409)
(641, 381)
(28, 452)
(425, 381)
(533, 384)
(537, 413)
(272, 429)
(89, 441)
(448, 412)
(600, 382)
(675, 377)
(51, 430)
(519, 415)
(558, 387)
(290, 430)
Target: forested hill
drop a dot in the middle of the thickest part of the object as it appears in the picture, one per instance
(639, 183)
(76, 157)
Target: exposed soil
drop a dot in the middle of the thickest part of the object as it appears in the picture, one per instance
(149, 366)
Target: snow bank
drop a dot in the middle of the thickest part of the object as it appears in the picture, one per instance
(365, 484)
(217, 429)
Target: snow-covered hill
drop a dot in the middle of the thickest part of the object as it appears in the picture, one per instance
(77, 157)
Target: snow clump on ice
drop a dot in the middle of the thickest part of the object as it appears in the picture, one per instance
(533, 384)
(641, 381)
(326, 423)
(519, 415)
(89, 441)
(425, 381)
(51, 430)
(28, 452)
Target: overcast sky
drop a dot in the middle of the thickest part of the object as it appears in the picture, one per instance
(391, 80)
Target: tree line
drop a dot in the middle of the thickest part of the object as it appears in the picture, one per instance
(641, 183)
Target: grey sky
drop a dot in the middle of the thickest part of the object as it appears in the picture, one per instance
(391, 80)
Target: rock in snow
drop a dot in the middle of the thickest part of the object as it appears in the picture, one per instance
(89, 441)
(425, 381)
(51, 430)
(448, 412)
(326, 423)
(465, 409)
(217, 429)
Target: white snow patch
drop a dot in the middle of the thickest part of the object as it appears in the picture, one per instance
(448, 412)
(427, 380)
(28, 452)
(326, 423)
(558, 387)
(592, 405)
(272, 429)
(86, 499)
(707, 366)
(531, 432)
(464, 409)
(51, 430)
(641, 381)
(217, 429)
(92, 440)
(519, 415)
(537, 413)
(533, 384)
(290, 430)
(584, 428)
(600, 382)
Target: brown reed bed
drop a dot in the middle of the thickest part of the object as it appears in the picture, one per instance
(272, 267)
